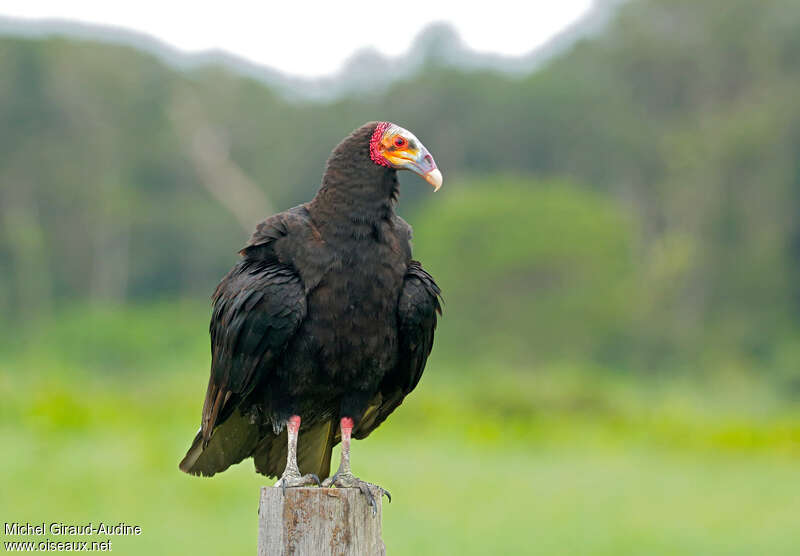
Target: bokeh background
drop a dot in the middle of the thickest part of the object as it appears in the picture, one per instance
(618, 242)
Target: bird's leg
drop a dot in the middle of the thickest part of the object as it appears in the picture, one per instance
(344, 478)
(291, 475)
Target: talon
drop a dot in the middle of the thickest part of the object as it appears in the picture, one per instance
(295, 480)
(366, 491)
(316, 480)
(344, 478)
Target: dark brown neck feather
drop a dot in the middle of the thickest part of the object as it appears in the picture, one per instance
(356, 194)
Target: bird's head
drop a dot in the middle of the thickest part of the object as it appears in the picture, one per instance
(398, 148)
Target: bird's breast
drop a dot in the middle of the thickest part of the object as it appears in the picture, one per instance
(352, 313)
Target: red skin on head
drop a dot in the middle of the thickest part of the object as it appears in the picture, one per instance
(374, 143)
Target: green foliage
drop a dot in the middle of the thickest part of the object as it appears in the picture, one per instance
(112, 339)
(530, 270)
(632, 206)
(480, 459)
(122, 179)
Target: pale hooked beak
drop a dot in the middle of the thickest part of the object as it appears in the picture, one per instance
(434, 177)
(424, 166)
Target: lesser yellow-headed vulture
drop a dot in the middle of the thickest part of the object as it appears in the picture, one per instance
(325, 323)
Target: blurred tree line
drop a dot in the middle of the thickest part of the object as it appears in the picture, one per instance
(635, 202)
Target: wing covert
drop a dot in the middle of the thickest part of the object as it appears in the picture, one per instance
(417, 310)
(258, 306)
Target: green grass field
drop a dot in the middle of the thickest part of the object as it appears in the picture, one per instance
(478, 460)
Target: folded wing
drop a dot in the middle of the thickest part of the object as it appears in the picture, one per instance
(417, 310)
(258, 307)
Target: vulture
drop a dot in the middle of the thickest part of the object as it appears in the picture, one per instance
(324, 325)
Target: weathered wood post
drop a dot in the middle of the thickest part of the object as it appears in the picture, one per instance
(318, 521)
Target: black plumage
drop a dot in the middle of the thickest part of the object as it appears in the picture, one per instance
(326, 316)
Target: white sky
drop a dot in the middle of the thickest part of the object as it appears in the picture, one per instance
(314, 38)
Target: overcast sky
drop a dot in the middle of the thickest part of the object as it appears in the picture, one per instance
(314, 38)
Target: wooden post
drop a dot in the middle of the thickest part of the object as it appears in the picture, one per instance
(318, 521)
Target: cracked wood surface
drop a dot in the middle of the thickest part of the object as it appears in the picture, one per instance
(318, 521)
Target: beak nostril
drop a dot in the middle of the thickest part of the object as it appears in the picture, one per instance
(428, 159)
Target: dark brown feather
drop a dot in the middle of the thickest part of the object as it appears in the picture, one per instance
(325, 316)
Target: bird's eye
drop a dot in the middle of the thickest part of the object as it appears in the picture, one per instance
(400, 142)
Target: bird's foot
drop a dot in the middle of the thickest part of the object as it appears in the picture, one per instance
(348, 480)
(293, 479)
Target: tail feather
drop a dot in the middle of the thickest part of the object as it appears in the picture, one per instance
(314, 449)
(231, 442)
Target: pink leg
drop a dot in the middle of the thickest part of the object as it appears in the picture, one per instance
(344, 478)
(346, 426)
(291, 475)
(292, 431)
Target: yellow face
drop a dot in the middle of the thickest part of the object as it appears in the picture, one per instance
(400, 149)
(399, 146)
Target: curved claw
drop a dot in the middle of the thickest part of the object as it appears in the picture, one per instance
(294, 481)
(366, 491)
(347, 480)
